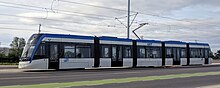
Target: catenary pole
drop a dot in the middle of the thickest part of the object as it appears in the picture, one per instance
(128, 24)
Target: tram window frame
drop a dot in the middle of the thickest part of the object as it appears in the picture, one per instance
(170, 55)
(42, 53)
(84, 45)
(73, 47)
(158, 50)
(206, 53)
(202, 52)
(127, 54)
(181, 53)
(139, 54)
(151, 50)
(108, 53)
(192, 53)
(195, 53)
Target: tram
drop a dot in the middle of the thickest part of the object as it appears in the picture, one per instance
(60, 51)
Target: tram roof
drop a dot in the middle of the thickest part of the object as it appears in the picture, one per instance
(118, 39)
(174, 42)
(149, 41)
(68, 36)
(114, 39)
(200, 44)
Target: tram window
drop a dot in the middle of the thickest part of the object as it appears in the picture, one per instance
(83, 51)
(153, 53)
(169, 53)
(105, 51)
(201, 53)
(54, 51)
(127, 52)
(206, 53)
(195, 53)
(40, 52)
(141, 52)
(149, 52)
(183, 53)
(198, 52)
(114, 53)
(156, 53)
(69, 51)
(30, 51)
(192, 53)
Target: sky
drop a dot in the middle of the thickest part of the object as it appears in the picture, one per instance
(180, 20)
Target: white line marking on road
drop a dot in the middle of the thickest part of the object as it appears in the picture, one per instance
(210, 86)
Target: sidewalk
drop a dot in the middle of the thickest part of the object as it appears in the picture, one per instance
(8, 66)
(9, 69)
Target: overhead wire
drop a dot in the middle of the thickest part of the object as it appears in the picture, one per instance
(98, 16)
(110, 8)
(74, 22)
(92, 5)
(18, 29)
(65, 12)
(69, 14)
(81, 13)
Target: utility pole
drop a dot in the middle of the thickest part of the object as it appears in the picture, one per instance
(128, 24)
(39, 29)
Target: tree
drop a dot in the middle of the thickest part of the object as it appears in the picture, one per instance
(18, 43)
(2, 55)
(217, 55)
(17, 46)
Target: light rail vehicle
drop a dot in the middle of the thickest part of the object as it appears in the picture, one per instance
(60, 51)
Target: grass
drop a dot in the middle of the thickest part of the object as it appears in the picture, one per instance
(112, 81)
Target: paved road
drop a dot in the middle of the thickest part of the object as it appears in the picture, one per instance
(38, 77)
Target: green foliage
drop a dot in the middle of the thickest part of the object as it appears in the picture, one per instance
(2, 55)
(18, 43)
(217, 55)
(17, 46)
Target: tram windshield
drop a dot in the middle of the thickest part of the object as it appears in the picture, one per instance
(29, 47)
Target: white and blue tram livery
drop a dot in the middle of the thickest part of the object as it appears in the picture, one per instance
(149, 53)
(59, 51)
(175, 52)
(199, 53)
(115, 52)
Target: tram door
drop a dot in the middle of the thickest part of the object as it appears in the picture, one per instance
(53, 56)
(206, 56)
(117, 59)
(176, 56)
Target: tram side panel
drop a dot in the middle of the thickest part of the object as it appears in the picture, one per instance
(36, 64)
(176, 53)
(74, 53)
(115, 52)
(149, 53)
(199, 54)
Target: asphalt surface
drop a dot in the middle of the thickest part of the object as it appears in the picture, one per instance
(39, 77)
